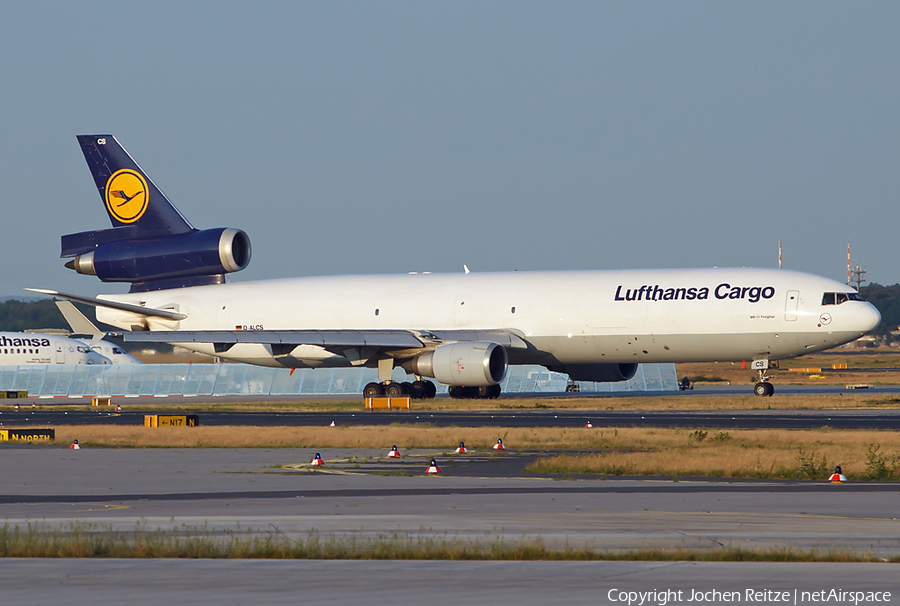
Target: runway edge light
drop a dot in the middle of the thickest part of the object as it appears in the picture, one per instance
(317, 460)
(394, 453)
(462, 448)
(433, 469)
(499, 444)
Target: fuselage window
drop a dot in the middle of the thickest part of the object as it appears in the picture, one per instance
(513, 310)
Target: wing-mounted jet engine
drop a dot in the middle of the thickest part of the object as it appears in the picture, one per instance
(151, 245)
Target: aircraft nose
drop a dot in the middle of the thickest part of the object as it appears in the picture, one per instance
(874, 318)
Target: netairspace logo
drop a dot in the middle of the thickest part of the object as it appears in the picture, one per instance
(662, 597)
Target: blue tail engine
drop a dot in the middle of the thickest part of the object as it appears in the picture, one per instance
(151, 245)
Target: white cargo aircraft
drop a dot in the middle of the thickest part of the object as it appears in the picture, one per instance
(461, 329)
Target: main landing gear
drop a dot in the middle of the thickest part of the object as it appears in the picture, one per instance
(488, 392)
(417, 390)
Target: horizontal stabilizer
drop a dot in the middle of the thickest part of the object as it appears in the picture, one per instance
(86, 241)
(135, 309)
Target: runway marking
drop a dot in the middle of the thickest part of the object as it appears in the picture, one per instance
(107, 507)
(582, 487)
(755, 514)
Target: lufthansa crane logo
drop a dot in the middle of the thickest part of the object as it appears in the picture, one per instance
(126, 195)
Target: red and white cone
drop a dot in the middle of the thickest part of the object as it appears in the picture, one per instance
(332, 424)
(118, 408)
(462, 448)
(837, 477)
(589, 425)
(75, 446)
(499, 444)
(394, 453)
(317, 461)
(17, 408)
(433, 468)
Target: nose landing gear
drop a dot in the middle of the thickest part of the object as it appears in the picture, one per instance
(762, 387)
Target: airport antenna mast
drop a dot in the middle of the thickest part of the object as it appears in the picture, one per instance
(779, 254)
(855, 274)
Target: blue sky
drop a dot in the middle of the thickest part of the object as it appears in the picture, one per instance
(408, 136)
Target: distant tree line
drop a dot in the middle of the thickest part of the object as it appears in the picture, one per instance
(887, 300)
(16, 316)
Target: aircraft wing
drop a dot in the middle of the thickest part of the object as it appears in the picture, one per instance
(336, 340)
(399, 339)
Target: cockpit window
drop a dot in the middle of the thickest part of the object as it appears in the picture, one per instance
(82, 349)
(116, 350)
(836, 298)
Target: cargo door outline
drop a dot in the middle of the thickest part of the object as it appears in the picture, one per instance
(791, 301)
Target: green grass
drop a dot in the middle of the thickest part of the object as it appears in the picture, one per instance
(81, 540)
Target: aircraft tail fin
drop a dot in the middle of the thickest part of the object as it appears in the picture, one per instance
(131, 198)
(150, 244)
(79, 323)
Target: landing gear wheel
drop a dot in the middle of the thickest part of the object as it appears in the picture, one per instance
(489, 392)
(417, 390)
(373, 390)
(422, 390)
(764, 388)
(393, 390)
(458, 392)
(430, 389)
